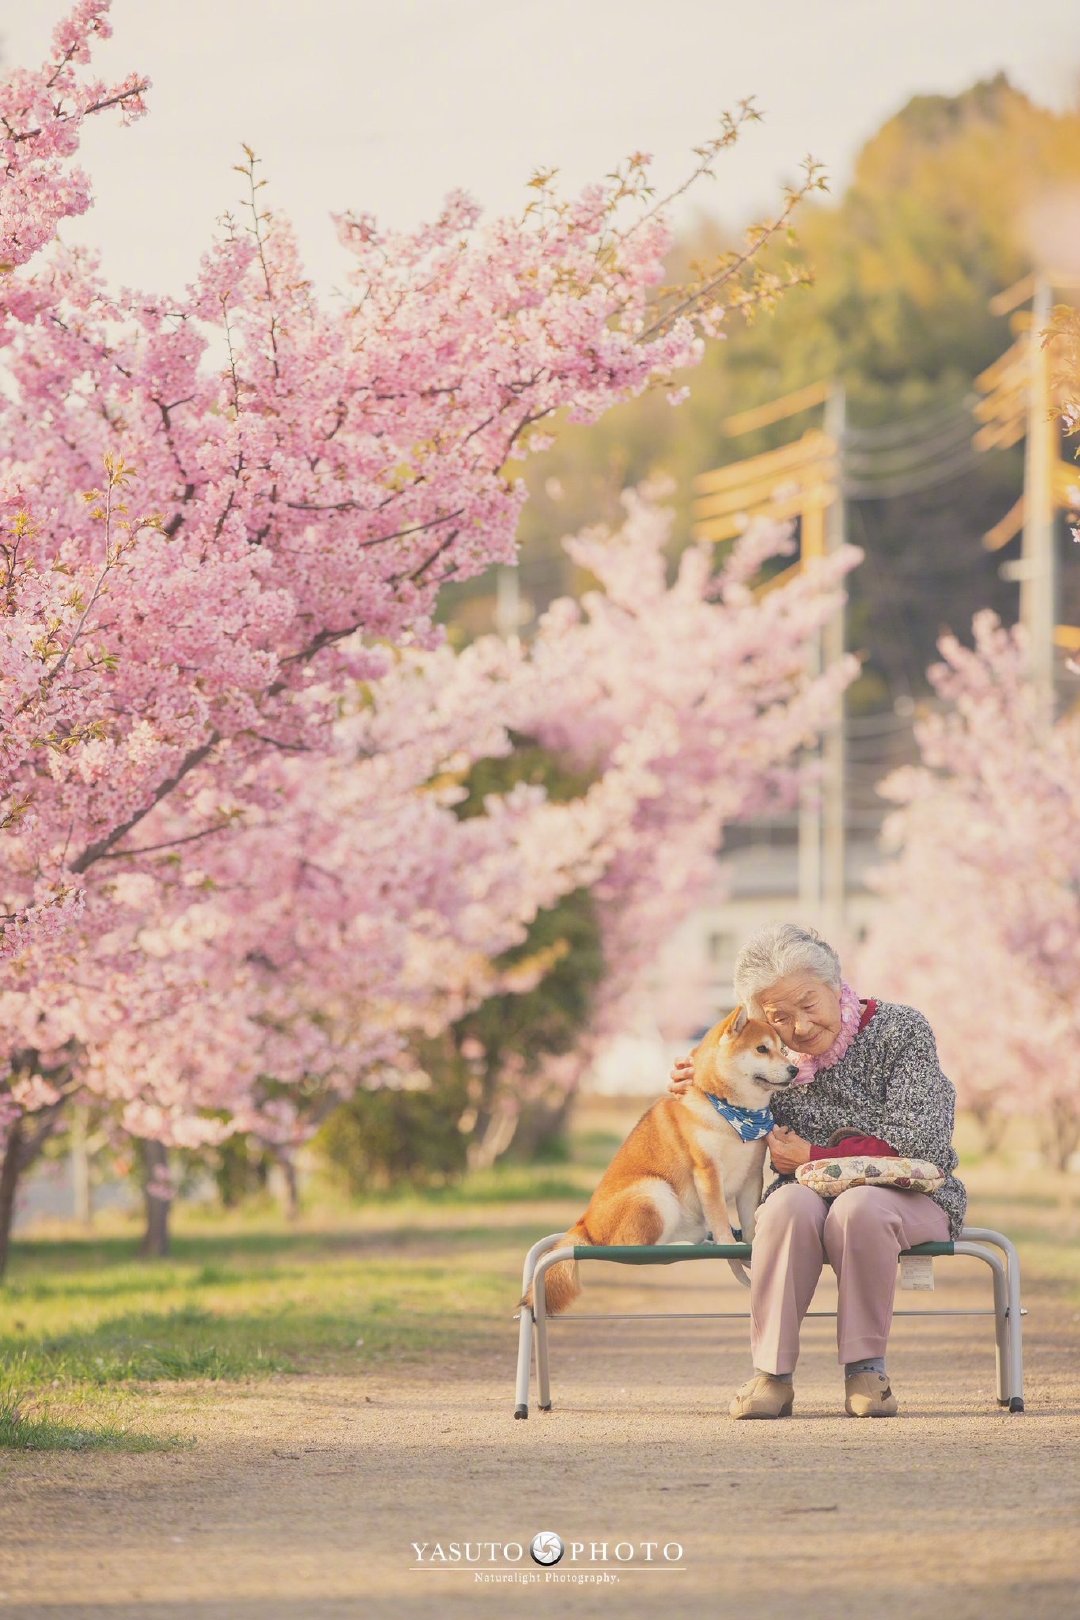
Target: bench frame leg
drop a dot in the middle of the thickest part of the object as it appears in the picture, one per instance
(528, 1331)
(521, 1389)
(1010, 1323)
(543, 1266)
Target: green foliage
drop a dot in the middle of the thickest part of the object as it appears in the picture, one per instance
(528, 763)
(548, 1018)
(513, 1032)
(379, 1139)
(948, 202)
(240, 1168)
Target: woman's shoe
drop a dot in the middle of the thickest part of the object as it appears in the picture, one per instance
(868, 1394)
(763, 1396)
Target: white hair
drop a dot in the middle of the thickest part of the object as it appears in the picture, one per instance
(774, 951)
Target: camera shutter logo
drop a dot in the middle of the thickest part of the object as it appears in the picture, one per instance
(546, 1547)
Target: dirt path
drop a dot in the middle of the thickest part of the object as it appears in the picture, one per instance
(303, 1495)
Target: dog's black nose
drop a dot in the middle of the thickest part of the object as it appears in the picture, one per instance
(793, 1069)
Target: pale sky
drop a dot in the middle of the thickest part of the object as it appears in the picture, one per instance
(385, 105)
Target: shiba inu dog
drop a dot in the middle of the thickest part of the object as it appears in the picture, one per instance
(688, 1155)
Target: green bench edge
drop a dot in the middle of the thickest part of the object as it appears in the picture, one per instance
(666, 1254)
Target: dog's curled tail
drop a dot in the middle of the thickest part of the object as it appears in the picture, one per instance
(561, 1284)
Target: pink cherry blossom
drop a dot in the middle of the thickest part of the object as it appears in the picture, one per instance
(979, 922)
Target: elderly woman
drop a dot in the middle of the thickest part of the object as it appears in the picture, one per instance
(877, 1088)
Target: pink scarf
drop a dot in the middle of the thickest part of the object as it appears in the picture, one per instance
(850, 1018)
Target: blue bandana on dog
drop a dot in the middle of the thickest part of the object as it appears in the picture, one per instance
(750, 1123)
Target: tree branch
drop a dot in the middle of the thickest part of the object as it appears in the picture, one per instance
(97, 851)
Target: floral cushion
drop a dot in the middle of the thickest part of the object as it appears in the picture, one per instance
(831, 1176)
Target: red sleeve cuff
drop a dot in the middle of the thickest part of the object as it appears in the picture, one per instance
(870, 1145)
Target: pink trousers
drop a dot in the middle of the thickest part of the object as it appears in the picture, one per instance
(860, 1233)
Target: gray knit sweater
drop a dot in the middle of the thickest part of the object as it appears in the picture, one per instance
(888, 1084)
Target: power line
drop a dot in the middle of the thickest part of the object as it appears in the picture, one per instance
(907, 458)
(928, 476)
(904, 453)
(922, 424)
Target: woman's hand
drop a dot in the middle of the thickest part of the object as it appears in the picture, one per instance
(786, 1150)
(682, 1074)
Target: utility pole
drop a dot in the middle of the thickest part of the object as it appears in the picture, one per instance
(822, 830)
(507, 601)
(811, 892)
(800, 479)
(1037, 572)
(1017, 405)
(834, 857)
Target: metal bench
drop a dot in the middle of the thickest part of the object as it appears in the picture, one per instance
(977, 1241)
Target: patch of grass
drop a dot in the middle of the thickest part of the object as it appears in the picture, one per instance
(139, 1348)
(42, 1432)
(86, 1316)
(524, 1183)
(501, 1184)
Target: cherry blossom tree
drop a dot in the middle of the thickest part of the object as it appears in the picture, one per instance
(356, 910)
(222, 513)
(980, 922)
(363, 911)
(299, 504)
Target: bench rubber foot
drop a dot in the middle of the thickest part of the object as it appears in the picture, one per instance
(521, 1411)
(1016, 1404)
(546, 1408)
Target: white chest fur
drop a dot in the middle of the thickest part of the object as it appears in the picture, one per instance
(737, 1162)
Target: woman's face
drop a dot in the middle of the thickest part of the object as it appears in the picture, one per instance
(804, 1012)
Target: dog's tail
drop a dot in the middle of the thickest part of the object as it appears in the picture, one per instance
(740, 1272)
(561, 1284)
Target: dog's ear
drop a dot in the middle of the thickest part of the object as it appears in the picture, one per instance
(705, 1050)
(731, 1025)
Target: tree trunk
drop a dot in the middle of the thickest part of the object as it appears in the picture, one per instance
(1059, 1134)
(290, 1186)
(1066, 1134)
(991, 1125)
(542, 1121)
(9, 1181)
(81, 1192)
(155, 1243)
(23, 1147)
(491, 1141)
